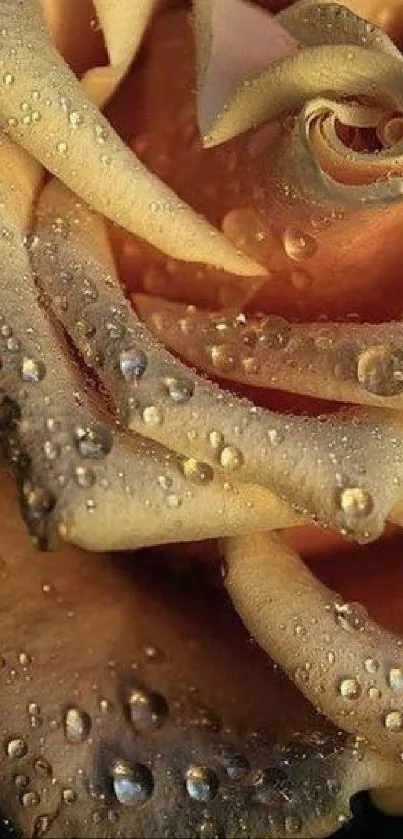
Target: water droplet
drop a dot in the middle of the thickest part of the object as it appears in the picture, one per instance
(24, 659)
(231, 458)
(77, 725)
(69, 796)
(393, 721)
(350, 615)
(152, 415)
(101, 133)
(75, 119)
(274, 332)
(148, 711)
(16, 748)
(51, 450)
(197, 472)
(32, 371)
(395, 678)
(355, 502)
(132, 363)
(133, 784)
(371, 666)
(30, 799)
(380, 370)
(201, 783)
(216, 440)
(298, 245)
(350, 688)
(62, 147)
(179, 390)
(42, 767)
(93, 441)
(85, 477)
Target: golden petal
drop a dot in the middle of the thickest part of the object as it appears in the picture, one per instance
(105, 172)
(349, 667)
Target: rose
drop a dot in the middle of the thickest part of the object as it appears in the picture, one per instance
(69, 270)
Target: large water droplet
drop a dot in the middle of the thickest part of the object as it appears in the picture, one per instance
(350, 615)
(298, 245)
(148, 711)
(231, 458)
(380, 370)
(393, 721)
(355, 502)
(93, 441)
(133, 363)
(197, 472)
(395, 678)
(201, 783)
(16, 748)
(133, 784)
(350, 688)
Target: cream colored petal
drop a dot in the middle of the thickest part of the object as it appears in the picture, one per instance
(72, 139)
(345, 471)
(350, 668)
(123, 25)
(75, 473)
(357, 363)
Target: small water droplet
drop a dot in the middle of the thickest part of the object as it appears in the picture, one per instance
(216, 440)
(231, 458)
(371, 666)
(152, 415)
(75, 119)
(32, 371)
(350, 615)
(349, 688)
(16, 748)
(51, 450)
(179, 390)
(69, 796)
(30, 799)
(393, 721)
(77, 725)
(62, 148)
(85, 477)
